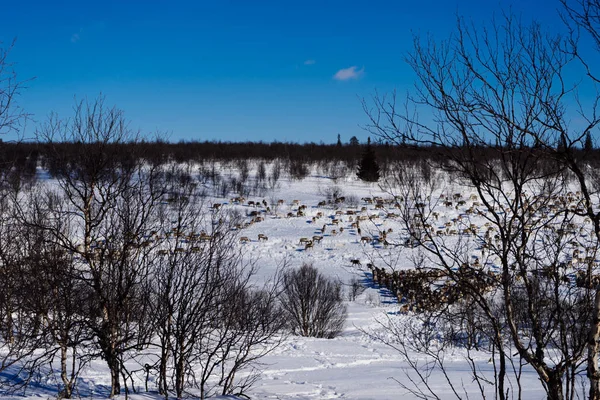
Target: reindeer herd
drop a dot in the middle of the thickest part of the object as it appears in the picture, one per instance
(332, 220)
(454, 215)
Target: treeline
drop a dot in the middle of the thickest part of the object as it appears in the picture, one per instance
(24, 157)
(157, 151)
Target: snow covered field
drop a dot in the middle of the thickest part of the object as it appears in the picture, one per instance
(355, 365)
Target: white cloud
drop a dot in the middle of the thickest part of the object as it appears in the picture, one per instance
(347, 74)
(309, 62)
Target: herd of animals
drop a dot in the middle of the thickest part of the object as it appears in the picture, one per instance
(335, 223)
(416, 290)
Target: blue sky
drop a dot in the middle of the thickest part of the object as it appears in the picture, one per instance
(229, 70)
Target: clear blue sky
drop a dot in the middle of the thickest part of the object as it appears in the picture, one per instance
(229, 70)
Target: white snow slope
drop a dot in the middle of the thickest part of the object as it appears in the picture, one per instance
(354, 365)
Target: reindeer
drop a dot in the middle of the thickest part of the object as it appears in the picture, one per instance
(308, 245)
(262, 237)
(205, 237)
(304, 240)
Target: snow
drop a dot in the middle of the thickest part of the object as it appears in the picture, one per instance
(355, 365)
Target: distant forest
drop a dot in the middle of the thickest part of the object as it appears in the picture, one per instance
(24, 157)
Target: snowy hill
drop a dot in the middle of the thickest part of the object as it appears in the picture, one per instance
(361, 363)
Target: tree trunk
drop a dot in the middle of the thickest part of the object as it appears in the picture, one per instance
(501, 374)
(179, 377)
(555, 389)
(66, 393)
(593, 372)
(115, 382)
(112, 360)
(163, 388)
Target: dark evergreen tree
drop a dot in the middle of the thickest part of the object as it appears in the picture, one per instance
(353, 141)
(588, 145)
(562, 144)
(368, 169)
(339, 141)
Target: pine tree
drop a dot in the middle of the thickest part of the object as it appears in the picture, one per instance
(562, 144)
(339, 141)
(368, 169)
(589, 145)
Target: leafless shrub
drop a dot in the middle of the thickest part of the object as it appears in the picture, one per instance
(332, 193)
(312, 303)
(275, 174)
(355, 288)
(351, 200)
(261, 173)
(298, 169)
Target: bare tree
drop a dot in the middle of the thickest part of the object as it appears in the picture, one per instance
(497, 98)
(313, 303)
(54, 296)
(16, 338)
(210, 319)
(585, 15)
(11, 115)
(110, 203)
